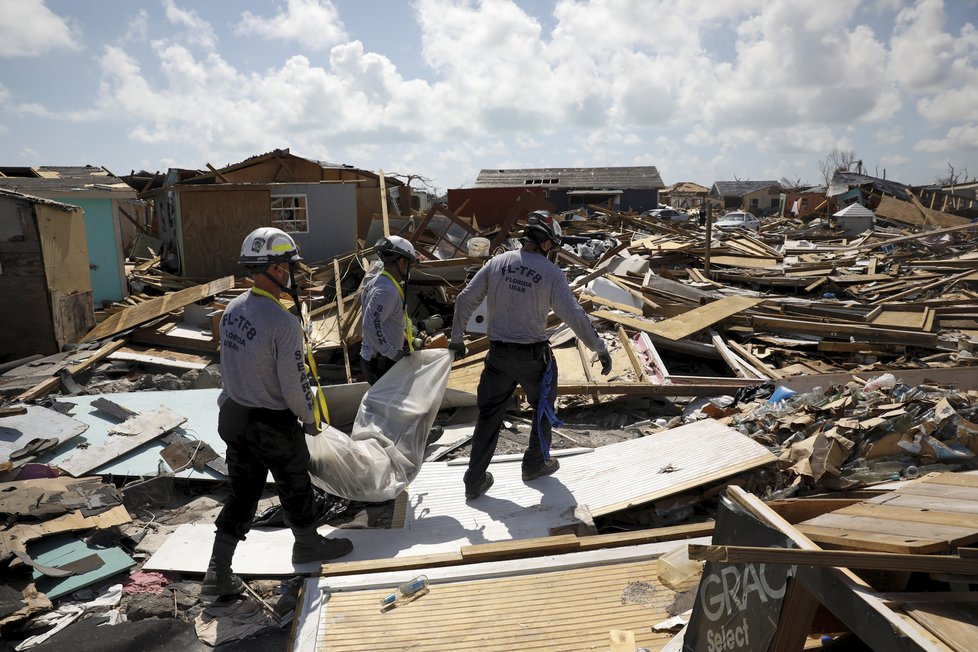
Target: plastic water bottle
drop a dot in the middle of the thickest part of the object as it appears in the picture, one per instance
(404, 592)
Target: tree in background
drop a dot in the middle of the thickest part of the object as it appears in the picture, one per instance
(953, 177)
(839, 160)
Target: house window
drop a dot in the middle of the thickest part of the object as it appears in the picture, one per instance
(289, 213)
(753, 202)
(775, 202)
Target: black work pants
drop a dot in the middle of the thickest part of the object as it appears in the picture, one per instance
(375, 367)
(259, 441)
(506, 365)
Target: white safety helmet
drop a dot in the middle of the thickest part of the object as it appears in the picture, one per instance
(267, 245)
(394, 247)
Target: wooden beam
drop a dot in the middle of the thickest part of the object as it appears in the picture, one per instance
(383, 204)
(837, 559)
(144, 312)
(338, 278)
(218, 174)
(54, 382)
(632, 356)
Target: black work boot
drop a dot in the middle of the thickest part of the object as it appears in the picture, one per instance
(311, 546)
(219, 582)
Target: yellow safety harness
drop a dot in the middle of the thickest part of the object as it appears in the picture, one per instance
(319, 409)
(408, 330)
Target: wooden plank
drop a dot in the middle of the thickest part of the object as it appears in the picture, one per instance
(797, 613)
(954, 624)
(340, 315)
(54, 382)
(681, 326)
(836, 558)
(892, 512)
(844, 331)
(872, 541)
(843, 593)
(383, 203)
(632, 357)
(123, 438)
(144, 312)
(963, 507)
(953, 535)
(943, 491)
(498, 551)
(956, 479)
(796, 510)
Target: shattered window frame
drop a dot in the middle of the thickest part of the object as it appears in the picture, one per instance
(290, 213)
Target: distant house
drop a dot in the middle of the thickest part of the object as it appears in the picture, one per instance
(204, 216)
(44, 281)
(758, 197)
(619, 188)
(684, 195)
(802, 202)
(106, 200)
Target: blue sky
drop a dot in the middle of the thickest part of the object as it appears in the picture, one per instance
(705, 91)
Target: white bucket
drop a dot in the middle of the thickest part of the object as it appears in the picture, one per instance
(478, 247)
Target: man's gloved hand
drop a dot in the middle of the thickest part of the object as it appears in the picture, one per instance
(605, 359)
(458, 350)
(400, 353)
(310, 429)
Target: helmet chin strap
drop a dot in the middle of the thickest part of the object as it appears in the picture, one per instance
(290, 289)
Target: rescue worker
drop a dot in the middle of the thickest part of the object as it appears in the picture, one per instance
(522, 287)
(266, 408)
(387, 331)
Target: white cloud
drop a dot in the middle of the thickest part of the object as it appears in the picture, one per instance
(29, 29)
(198, 31)
(314, 24)
(137, 29)
(960, 138)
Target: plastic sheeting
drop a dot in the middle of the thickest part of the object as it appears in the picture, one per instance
(386, 448)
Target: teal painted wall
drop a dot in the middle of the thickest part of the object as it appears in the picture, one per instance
(103, 252)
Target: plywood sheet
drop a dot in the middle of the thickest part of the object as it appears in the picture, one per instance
(17, 430)
(122, 438)
(609, 479)
(438, 518)
(214, 221)
(684, 325)
(567, 610)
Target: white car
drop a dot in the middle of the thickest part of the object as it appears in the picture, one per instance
(738, 220)
(666, 215)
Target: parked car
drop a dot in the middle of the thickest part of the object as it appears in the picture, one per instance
(666, 215)
(738, 220)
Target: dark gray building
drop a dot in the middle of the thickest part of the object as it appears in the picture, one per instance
(627, 188)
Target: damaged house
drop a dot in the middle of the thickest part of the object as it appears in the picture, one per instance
(109, 205)
(202, 217)
(44, 272)
(619, 188)
(758, 197)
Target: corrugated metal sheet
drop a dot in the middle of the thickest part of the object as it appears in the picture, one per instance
(490, 206)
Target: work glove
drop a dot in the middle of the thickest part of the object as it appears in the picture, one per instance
(310, 429)
(458, 350)
(605, 359)
(400, 353)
